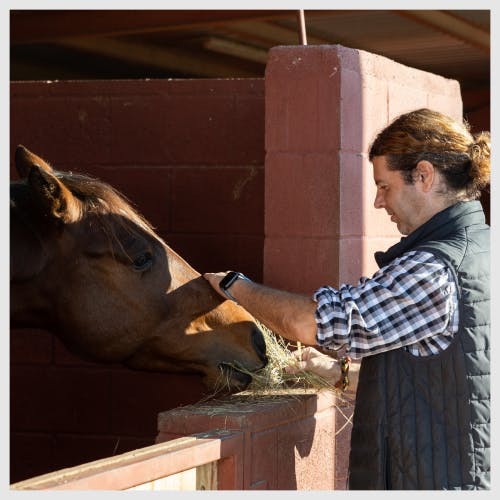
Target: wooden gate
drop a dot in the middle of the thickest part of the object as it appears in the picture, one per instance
(187, 463)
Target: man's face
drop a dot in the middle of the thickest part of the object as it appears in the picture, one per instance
(405, 203)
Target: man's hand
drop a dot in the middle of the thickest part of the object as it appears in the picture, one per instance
(311, 360)
(214, 279)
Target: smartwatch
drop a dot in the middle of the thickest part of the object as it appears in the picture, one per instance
(229, 280)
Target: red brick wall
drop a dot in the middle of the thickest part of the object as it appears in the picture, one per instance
(189, 154)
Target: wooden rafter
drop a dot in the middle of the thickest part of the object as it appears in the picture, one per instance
(452, 25)
(163, 57)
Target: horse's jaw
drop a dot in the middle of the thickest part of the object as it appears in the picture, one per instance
(198, 348)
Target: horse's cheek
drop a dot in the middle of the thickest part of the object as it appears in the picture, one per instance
(102, 299)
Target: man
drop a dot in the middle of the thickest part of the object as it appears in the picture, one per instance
(420, 325)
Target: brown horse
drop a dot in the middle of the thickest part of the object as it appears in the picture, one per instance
(88, 267)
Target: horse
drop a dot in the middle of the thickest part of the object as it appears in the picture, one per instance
(87, 266)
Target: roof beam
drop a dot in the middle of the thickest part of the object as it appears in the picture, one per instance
(52, 25)
(270, 33)
(452, 25)
(168, 58)
(231, 48)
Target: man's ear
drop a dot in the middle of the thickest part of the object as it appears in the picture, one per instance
(424, 174)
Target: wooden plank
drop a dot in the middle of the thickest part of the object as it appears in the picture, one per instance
(206, 477)
(182, 481)
(141, 466)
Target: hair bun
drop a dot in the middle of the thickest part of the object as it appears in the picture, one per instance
(479, 152)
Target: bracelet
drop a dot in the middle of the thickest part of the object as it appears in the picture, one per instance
(343, 382)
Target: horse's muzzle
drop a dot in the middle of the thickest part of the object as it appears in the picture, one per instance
(259, 344)
(237, 379)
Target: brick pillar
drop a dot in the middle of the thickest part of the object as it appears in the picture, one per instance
(324, 105)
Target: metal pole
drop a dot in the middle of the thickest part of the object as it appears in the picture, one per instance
(302, 27)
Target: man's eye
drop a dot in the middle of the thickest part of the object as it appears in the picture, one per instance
(143, 261)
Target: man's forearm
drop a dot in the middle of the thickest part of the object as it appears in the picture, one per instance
(287, 314)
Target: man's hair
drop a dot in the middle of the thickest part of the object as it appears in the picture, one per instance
(462, 159)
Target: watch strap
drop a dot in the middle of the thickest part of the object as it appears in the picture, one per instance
(229, 280)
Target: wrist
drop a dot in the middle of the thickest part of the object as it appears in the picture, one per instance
(228, 281)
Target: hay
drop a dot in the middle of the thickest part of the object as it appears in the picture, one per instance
(273, 379)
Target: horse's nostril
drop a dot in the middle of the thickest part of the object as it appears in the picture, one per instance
(259, 344)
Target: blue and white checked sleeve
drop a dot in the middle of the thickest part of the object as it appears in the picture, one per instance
(412, 303)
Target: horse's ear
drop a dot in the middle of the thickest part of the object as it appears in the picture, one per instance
(25, 160)
(55, 199)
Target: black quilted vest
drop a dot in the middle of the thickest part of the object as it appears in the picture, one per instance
(423, 422)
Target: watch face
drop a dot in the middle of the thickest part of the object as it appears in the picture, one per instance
(228, 280)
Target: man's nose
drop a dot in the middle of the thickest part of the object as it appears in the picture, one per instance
(379, 200)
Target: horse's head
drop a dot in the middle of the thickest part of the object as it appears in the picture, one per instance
(85, 265)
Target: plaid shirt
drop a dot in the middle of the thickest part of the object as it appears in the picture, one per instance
(411, 302)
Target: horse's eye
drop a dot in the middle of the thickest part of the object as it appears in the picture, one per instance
(143, 261)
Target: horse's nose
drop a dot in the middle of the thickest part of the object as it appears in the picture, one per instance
(259, 344)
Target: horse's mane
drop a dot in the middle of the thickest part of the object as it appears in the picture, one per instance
(101, 199)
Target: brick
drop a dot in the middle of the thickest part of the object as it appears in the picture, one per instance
(263, 469)
(247, 141)
(197, 130)
(138, 124)
(308, 448)
(302, 93)
(209, 253)
(307, 203)
(403, 98)
(216, 87)
(59, 400)
(375, 109)
(352, 196)
(293, 62)
(31, 454)
(351, 104)
(82, 122)
(30, 346)
(357, 256)
(218, 200)
(300, 264)
(138, 397)
(342, 446)
(448, 103)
